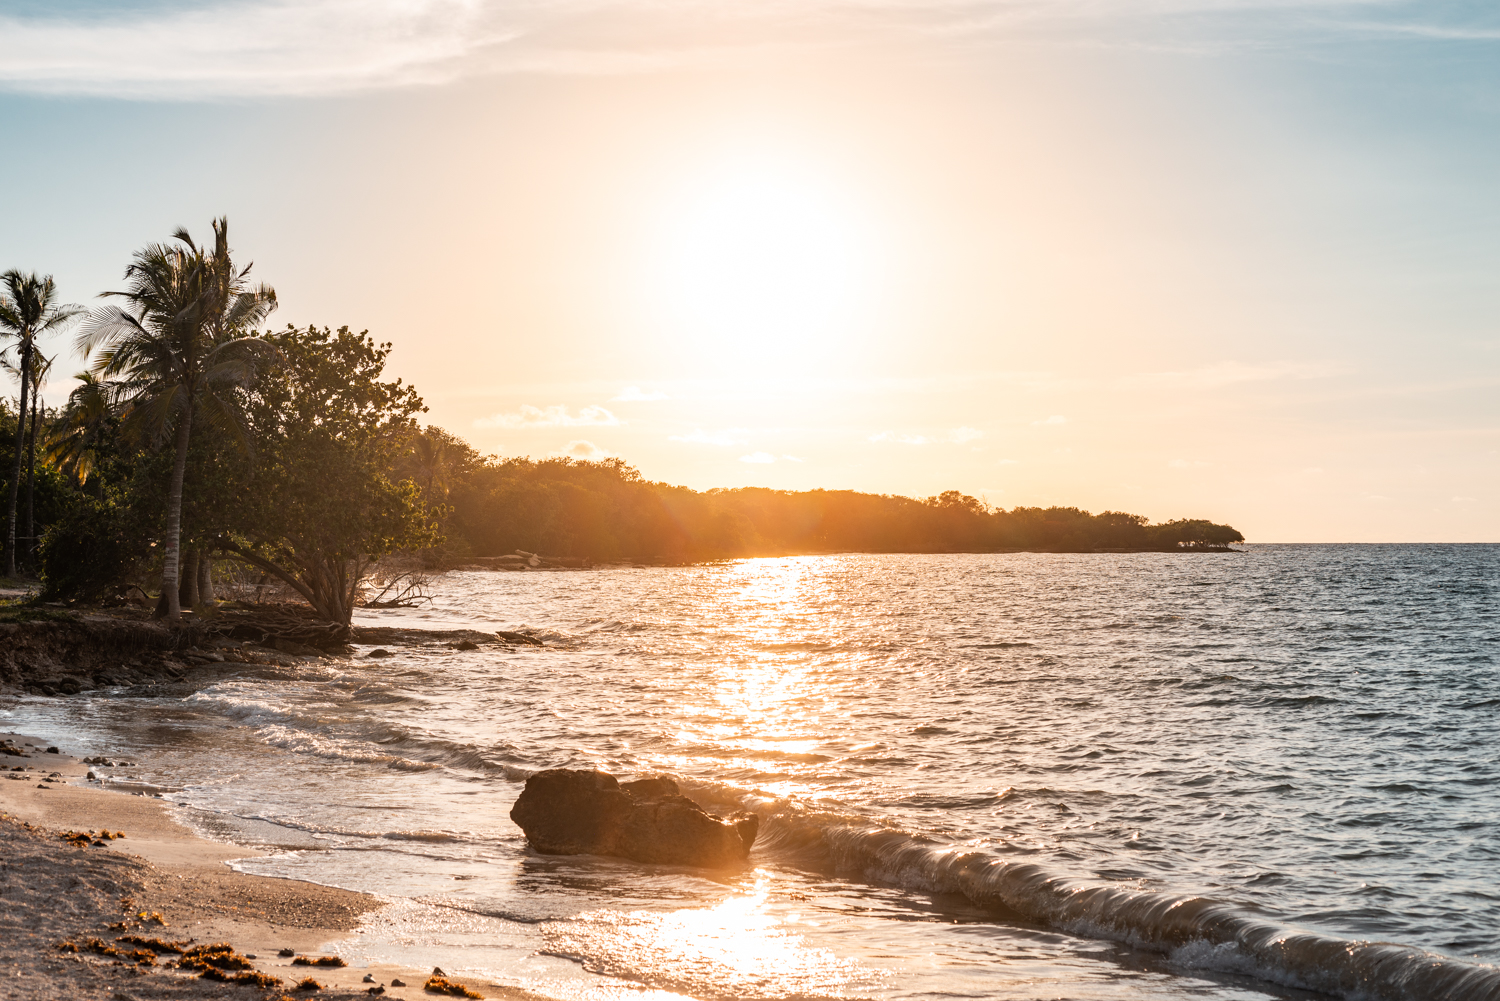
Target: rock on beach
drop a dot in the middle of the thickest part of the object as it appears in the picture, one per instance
(567, 811)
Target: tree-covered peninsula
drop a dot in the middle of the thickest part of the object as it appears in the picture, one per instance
(198, 447)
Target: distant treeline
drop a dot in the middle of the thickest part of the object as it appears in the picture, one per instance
(606, 511)
(197, 451)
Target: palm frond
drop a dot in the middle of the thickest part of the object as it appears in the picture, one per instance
(104, 326)
(224, 417)
(147, 420)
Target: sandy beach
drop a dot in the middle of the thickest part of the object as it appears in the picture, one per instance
(162, 882)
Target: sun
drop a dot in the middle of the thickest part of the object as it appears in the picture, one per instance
(763, 259)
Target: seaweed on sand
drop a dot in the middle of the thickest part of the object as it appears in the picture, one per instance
(141, 957)
(217, 956)
(154, 944)
(442, 985)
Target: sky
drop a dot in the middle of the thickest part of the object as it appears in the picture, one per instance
(1228, 259)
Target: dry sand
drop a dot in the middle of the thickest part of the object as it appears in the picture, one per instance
(54, 892)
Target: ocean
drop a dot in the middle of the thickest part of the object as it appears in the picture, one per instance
(1263, 774)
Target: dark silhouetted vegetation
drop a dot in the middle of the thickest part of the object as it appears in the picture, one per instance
(197, 447)
(605, 511)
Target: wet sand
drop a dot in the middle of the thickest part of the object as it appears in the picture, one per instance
(54, 892)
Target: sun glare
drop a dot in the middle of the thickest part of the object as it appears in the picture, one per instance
(763, 260)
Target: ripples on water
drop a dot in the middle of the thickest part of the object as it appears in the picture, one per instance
(959, 759)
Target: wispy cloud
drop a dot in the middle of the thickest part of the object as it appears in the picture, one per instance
(635, 394)
(248, 48)
(549, 417)
(957, 436)
(758, 457)
(582, 448)
(259, 48)
(700, 437)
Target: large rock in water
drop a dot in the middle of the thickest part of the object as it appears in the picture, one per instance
(567, 811)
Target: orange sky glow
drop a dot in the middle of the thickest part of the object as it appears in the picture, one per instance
(1192, 260)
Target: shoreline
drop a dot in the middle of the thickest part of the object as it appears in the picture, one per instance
(68, 653)
(56, 892)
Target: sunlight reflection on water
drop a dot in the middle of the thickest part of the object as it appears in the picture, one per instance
(1289, 729)
(736, 948)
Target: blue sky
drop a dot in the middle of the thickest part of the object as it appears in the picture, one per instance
(1236, 260)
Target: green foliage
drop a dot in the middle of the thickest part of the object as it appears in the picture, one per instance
(93, 550)
(329, 434)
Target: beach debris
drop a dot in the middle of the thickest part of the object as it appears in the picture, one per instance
(141, 957)
(53, 750)
(7, 747)
(154, 944)
(568, 811)
(320, 961)
(220, 962)
(255, 978)
(40, 786)
(153, 918)
(286, 953)
(442, 985)
(82, 839)
(217, 956)
(308, 984)
(397, 982)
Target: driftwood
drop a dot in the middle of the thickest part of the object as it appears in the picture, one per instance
(406, 590)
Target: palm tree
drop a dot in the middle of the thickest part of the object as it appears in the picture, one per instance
(27, 311)
(176, 351)
(41, 365)
(73, 446)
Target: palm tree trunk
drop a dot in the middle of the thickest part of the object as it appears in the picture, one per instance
(171, 562)
(187, 588)
(31, 482)
(15, 473)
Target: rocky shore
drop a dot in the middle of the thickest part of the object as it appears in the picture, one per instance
(64, 653)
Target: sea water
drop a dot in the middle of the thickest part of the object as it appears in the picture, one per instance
(1237, 775)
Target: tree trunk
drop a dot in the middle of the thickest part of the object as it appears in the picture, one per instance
(15, 474)
(205, 579)
(187, 588)
(171, 562)
(31, 482)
